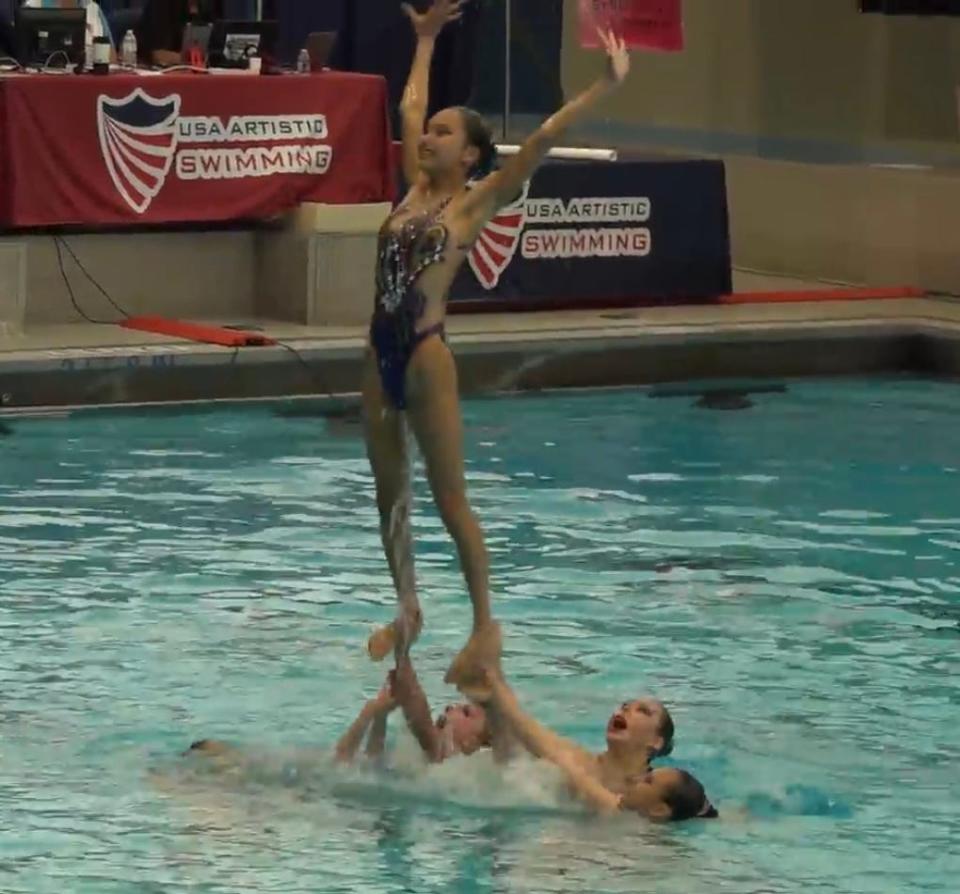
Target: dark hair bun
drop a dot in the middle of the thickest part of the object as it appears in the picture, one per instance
(480, 136)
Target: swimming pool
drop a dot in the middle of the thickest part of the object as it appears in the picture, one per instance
(785, 577)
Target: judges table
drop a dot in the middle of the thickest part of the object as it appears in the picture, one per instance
(131, 150)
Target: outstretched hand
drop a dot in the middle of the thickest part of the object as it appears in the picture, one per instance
(436, 18)
(386, 698)
(618, 57)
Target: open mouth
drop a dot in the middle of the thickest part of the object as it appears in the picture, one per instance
(618, 723)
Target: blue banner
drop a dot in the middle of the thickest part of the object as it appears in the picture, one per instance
(654, 232)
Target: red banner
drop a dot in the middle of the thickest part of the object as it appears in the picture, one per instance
(644, 24)
(175, 148)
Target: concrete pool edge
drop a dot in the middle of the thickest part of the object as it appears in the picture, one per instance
(524, 352)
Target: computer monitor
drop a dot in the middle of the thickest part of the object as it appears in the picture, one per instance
(50, 36)
(320, 46)
(234, 41)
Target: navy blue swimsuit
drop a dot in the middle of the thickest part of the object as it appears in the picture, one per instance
(402, 256)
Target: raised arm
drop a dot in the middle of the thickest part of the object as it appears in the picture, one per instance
(416, 709)
(377, 737)
(501, 735)
(586, 788)
(542, 742)
(413, 106)
(503, 186)
(378, 707)
(534, 736)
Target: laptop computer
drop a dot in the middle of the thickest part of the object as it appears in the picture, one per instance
(320, 46)
(233, 42)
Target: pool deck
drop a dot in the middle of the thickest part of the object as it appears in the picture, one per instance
(89, 364)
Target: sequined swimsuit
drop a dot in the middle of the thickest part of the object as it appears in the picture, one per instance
(402, 256)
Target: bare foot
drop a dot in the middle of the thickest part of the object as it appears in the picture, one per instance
(481, 652)
(381, 642)
(398, 636)
(480, 686)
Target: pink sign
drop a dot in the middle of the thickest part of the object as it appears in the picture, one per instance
(644, 24)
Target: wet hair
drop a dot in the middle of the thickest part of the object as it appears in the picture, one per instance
(687, 800)
(480, 136)
(199, 745)
(666, 733)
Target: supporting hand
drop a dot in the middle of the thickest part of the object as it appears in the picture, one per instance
(385, 700)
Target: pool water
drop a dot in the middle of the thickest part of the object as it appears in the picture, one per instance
(785, 577)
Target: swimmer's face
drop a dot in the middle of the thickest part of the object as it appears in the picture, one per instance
(648, 795)
(444, 146)
(214, 751)
(638, 725)
(466, 727)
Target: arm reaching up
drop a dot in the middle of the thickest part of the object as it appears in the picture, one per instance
(416, 709)
(502, 187)
(538, 739)
(542, 742)
(413, 106)
(375, 709)
(377, 737)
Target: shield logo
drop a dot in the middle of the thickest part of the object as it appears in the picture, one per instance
(498, 241)
(138, 139)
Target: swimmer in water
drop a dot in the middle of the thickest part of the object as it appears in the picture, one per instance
(462, 728)
(370, 722)
(637, 732)
(373, 717)
(621, 779)
(410, 377)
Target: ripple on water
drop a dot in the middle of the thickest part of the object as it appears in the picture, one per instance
(793, 598)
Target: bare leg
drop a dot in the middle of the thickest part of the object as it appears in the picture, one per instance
(385, 434)
(434, 415)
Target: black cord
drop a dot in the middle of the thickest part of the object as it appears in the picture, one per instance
(87, 274)
(268, 342)
(73, 298)
(58, 241)
(309, 369)
(52, 56)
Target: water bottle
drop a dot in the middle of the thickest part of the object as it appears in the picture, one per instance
(303, 62)
(128, 52)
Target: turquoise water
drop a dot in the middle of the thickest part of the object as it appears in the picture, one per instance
(786, 578)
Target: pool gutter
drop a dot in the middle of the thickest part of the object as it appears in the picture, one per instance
(514, 354)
